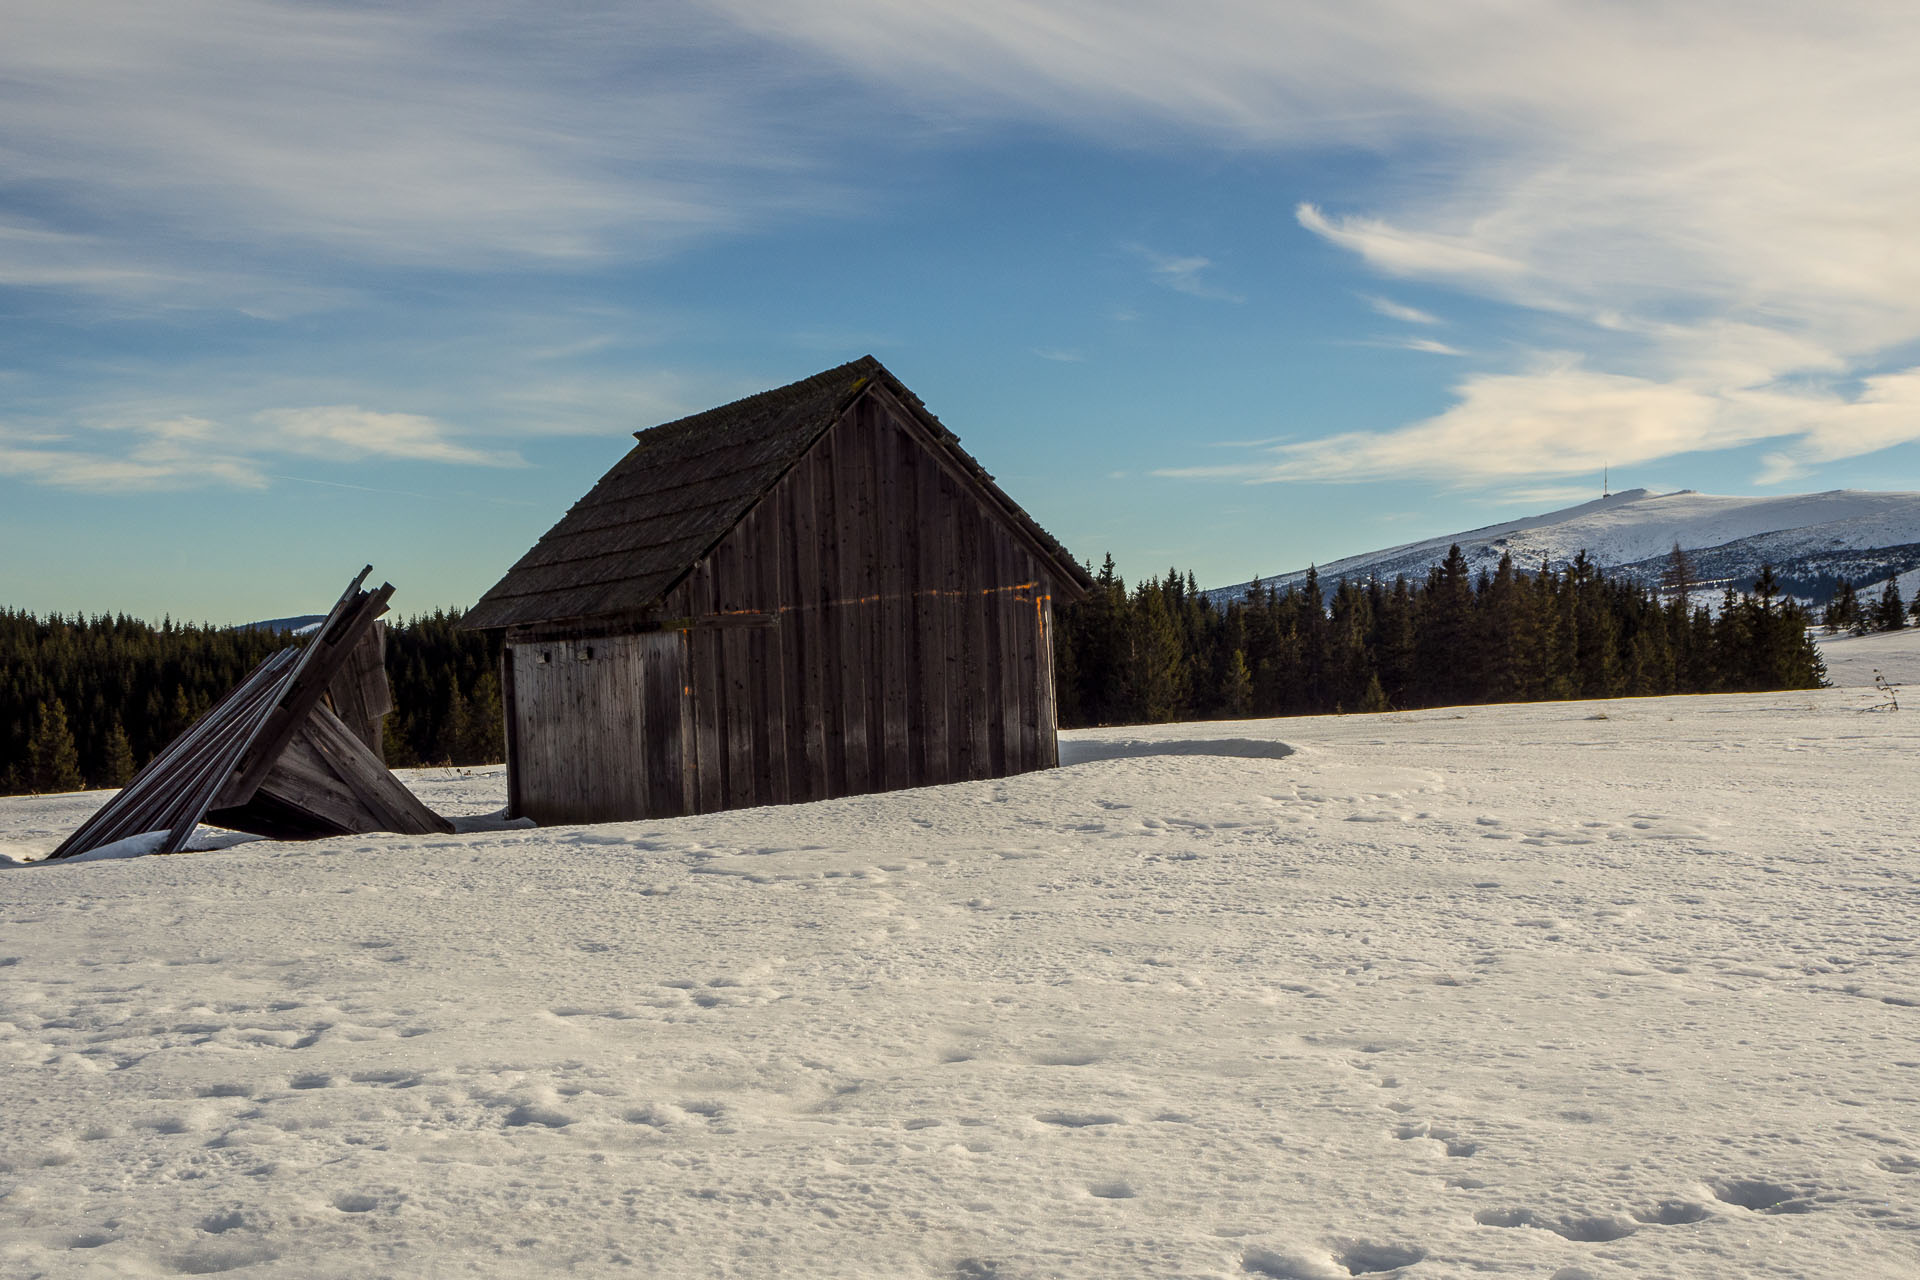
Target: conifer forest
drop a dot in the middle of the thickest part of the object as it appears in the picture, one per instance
(86, 701)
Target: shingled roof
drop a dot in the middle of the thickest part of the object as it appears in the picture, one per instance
(684, 485)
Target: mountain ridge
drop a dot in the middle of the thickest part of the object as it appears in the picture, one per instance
(1812, 540)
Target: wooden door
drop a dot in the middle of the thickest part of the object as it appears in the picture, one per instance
(599, 727)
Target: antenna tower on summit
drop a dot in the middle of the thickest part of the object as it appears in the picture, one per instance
(1605, 490)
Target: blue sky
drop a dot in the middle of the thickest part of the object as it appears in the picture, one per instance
(285, 289)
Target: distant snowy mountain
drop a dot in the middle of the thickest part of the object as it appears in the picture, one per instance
(1812, 540)
(299, 626)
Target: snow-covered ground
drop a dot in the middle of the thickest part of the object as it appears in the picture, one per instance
(1852, 660)
(1564, 990)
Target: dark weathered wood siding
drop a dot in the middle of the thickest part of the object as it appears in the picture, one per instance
(597, 727)
(874, 622)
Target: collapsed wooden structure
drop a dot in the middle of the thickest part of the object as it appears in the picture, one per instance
(811, 592)
(292, 752)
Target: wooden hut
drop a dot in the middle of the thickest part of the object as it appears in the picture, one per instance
(811, 592)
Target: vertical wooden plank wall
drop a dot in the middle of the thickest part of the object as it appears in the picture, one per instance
(596, 727)
(910, 639)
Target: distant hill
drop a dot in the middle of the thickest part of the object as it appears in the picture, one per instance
(1812, 540)
(299, 626)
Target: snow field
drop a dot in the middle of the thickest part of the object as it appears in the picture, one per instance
(1852, 660)
(1568, 990)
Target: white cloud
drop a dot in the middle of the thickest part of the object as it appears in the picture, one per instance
(350, 433)
(1780, 468)
(1545, 497)
(1718, 194)
(174, 453)
(1181, 273)
(1404, 253)
(1431, 346)
(479, 136)
(1400, 311)
(120, 452)
(1564, 419)
(1711, 201)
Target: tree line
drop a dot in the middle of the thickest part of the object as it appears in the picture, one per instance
(1164, 651)
(86, 701)
(1846, 611)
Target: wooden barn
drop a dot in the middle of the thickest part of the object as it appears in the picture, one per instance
(811, 592)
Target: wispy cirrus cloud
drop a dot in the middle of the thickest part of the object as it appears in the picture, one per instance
(1711, 203)
(1399, 252)
(1400, 311)
(214, 150)
(1182, 273)
(117, 453)
(1565, 419)
(1720, 195)
(1432, 346)
(350, 433)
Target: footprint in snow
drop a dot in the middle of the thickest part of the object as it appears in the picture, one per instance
(529, 1114)
(1581, 1228)
(1349, 1258)
(1455, 1145)
(1672, 1213)
(1077, 1119)
(1759, 1195)
(1066, 1058)
(225, 1091)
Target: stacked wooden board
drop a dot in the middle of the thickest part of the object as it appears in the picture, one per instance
(292, 752)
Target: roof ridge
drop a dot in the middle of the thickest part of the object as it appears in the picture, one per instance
(818, 380)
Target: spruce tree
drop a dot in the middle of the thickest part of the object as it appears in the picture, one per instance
(485, 741)
(1499, 631)
(1154, 678)
(395, 747)
(1891, 613)
(1445, 646)
(1374, 699)
(181, 713)
(1102, 618)
(1677, 579)
(118, 768)
(1843, 610)
(450, 743)
(1066, 665)
(1236, 693)
(53, 761)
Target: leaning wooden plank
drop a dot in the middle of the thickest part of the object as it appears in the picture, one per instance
(201, 780)
(359, 692)
(301, 799)
(388, 804)
(302, 688)
(153, 800)
(139, 797)
(323, 656)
